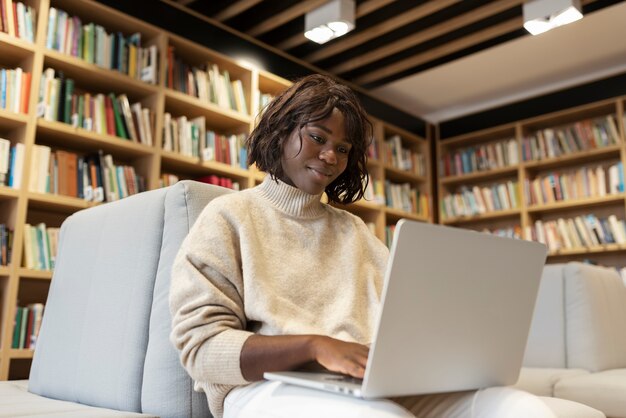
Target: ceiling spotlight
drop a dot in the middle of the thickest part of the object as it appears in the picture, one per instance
(329, 21)
(542, 15)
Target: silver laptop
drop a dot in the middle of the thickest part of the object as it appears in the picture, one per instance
(456, 312)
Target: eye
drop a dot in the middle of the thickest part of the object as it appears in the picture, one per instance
(316, 138)
(343, 149)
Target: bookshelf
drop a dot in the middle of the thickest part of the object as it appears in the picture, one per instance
(153, 163)
(566, 169)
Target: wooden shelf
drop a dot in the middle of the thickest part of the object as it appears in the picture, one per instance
(5, 270)
(8, 193)
(588, 250)
(57, 203)
(397, 214)
(14, 50)
(481, 217)
(526, 219)
(25, 273)
(62, 134)
(480, 176)
(23, 353)
(11, 120)
(95, 78)
(574, 203)
(218, 118)
(397, 175)
(575, 158)
(197, 167)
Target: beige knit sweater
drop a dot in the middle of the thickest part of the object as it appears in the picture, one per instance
(271, 260)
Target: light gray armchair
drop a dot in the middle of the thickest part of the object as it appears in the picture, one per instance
(104, 340)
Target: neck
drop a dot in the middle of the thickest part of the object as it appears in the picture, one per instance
(290, 199)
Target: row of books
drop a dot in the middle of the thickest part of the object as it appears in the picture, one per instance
(506, 232)
(91, 43)
(6, 244)
(389, 231)
(27, 325)
(18, 19)
(91, 177)
(405, 197)
(14, 89)
(220, 181)
(572, 138)
(264, 100)
(100, 113)
(11, 163)
(398, 156)
(168, 179)
(373, 153)
(583, 182)
(206, 82)
(375, 191)
(578, 232)
(171, 179)
(189, 137)
(479, 200)
(484, 157)
(40, 246)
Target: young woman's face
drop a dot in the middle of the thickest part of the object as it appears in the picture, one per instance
(322, 157)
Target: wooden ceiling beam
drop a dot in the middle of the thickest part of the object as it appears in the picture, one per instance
(285, 16)
(382, 28)
(441, 51)
(370, 6)
(363, 9)
(235, 9)
(420, 37)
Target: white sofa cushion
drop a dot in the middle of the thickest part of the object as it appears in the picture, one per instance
(596, 314)
(568, 409)
(93, 339)
(540, 381)
(16, 401)
(605, 391)
(546, 340)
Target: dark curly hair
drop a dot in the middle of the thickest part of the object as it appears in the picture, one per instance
(311, 99)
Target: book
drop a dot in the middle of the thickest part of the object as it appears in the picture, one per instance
(128, 117)
(120, 127)
(17, 325)
(110, 116)
(138, 122)
(5, 154)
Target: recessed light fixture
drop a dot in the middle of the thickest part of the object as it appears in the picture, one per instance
(329, 21)
(542, 15)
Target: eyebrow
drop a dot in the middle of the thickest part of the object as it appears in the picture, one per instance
(322, 127)
(328, 131)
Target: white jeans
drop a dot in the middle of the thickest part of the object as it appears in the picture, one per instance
(280, 400)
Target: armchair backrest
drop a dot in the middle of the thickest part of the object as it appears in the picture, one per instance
(104, 339)
(579, 319)
(546, 339)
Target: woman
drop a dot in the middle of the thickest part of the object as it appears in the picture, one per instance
(271, 279)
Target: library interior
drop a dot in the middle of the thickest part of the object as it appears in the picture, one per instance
(503, 117)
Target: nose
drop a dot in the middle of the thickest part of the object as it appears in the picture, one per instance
(329, 156)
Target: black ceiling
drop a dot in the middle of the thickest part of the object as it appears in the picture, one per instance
(392, 39)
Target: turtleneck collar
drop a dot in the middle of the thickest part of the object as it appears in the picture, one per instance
(291, 200)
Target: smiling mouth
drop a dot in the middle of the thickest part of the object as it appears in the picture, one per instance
(323, 173)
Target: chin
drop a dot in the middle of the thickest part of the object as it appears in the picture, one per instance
(313, 188)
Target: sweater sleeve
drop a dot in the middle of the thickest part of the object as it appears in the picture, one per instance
(206, 302)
